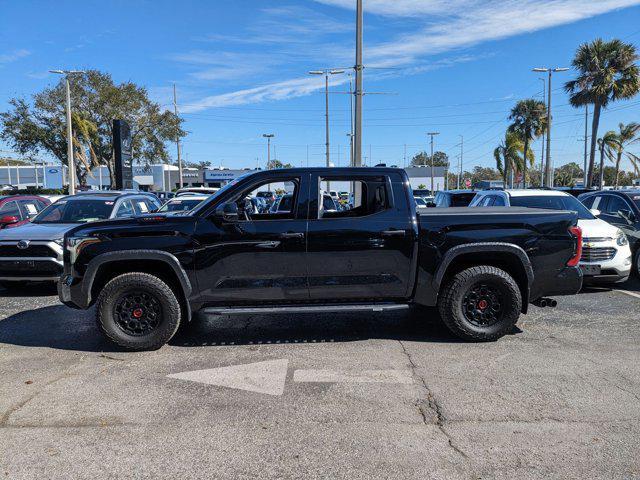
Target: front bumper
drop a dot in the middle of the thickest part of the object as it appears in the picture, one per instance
(71, 294)
(614, 269)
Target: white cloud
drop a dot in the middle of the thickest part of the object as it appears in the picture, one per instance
(13, 56)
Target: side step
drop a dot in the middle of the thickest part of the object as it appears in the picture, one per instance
(373, 307)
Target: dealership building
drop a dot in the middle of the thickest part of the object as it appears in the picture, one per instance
(163, 177)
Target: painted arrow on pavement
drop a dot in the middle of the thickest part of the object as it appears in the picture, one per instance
(269, 377)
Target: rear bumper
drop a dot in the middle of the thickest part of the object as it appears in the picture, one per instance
(567, 282)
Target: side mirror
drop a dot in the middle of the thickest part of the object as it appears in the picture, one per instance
(595, 212)
(227, 212)
(8, 220)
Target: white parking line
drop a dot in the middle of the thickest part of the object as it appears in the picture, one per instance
(627, 292)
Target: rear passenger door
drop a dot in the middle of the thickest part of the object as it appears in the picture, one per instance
(366, 251)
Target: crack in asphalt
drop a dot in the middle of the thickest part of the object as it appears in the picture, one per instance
(430, 405)
(4, 418)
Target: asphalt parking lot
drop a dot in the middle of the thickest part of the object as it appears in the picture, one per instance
(319, 396)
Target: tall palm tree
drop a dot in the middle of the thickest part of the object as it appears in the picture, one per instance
(529, 119)
(626, 136)
(606, 144)
(606, 72)
(508, 155)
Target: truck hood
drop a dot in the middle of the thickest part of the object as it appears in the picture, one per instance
(597, 228)
(36, 231)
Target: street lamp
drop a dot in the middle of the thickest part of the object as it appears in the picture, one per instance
(326, 74)
(548, 175)
(70, 160)
(268, 136)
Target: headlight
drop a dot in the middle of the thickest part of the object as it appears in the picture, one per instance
(59, 241)
(621, 238)
(76, 244)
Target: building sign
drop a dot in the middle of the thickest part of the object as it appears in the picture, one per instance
(221, 175)
(122, 154)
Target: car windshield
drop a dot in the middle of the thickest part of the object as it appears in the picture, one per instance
(462, 199)
(635, 197)
(184, 204)
(76, 211)
(553, 202)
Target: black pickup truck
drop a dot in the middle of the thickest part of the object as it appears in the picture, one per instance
(481, 267)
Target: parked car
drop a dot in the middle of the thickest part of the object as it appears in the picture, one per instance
(33, 251)
(606, 257)
(183, 204)
(420, 203)
(422, 192)
(16, 210)
(620, 208)
(196, 191)
(454, 198)
(164, 196)
(268, 197)
(479, 270)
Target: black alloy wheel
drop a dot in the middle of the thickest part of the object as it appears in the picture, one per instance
(483, 304)
(137, 313)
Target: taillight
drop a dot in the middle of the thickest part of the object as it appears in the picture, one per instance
(577, 233)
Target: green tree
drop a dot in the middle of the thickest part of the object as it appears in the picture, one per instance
(278, 164)
(440, 159)
(606, 145)
(529, 119)
(606, 72)
(32, 127)
(565, 175)
(626, 136)
(508, 155)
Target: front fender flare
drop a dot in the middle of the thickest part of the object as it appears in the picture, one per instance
(155, 255)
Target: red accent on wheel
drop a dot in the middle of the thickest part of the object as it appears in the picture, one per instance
(482, 304)
(137, 313)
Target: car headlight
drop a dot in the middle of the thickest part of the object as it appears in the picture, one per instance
(59, 241)
(621, 238)
(76, 244)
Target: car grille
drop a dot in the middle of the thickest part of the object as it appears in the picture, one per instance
(32, 251)
(597, 254)
(596, 239)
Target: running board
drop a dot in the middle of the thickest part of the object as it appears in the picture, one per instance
(374, 307)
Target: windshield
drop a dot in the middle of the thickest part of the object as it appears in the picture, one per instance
(222, 190)
(75, 211)
(181, 205)
(636, 199)
(420, 201)
(559, 202)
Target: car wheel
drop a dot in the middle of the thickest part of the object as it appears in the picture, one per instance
(138, 311)
(480, 303)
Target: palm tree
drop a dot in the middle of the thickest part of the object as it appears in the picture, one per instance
(508, 155)
(606, 144)
(606, 73)
(626, 136)
(529, 121)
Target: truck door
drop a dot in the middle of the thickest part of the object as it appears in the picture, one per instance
(261, 256)
(365, 248)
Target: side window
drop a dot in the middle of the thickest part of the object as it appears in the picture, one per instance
(125, 209)
(588, 202)
(142, 205)
(616, 205)
(365, 196)
(488, 201)
(499, 201)
(10, 209)
(599, 202)
(285, 191)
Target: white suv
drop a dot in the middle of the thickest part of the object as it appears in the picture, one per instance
(606, 256)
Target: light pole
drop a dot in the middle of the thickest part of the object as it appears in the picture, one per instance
(548, 174)
(268, 136)
(326, 74)
(544, 94)
(350, 135)
(358, 67)
(70, 160)
(432, 134)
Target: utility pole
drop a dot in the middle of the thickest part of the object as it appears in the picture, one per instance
(544, 94)
(350, 135)
(357, 146)
(326, 74)
(460, 164)
(432, 134)
(404, 163)
(586, 137)
(175, 109)
(268, 136)
(549, 167)
(70, 160)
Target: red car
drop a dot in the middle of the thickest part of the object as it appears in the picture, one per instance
(17, 210)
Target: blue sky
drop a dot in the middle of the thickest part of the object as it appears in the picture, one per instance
(453, 66)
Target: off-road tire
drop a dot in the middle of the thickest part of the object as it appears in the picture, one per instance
(454, 293)
(169, 311)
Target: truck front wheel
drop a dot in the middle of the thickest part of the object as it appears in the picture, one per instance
(481, 303)
(138, 311)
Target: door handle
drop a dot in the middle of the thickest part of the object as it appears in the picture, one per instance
(271, 244)
(394, 233)
(292, 235)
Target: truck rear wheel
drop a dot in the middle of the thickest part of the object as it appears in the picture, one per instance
(138, 311)
(481, 303)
